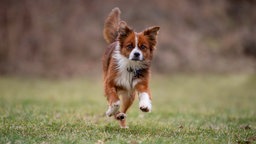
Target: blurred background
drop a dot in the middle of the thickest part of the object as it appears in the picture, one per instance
(63, 38)
(203, 80)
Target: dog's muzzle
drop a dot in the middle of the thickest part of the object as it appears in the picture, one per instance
(136, 55)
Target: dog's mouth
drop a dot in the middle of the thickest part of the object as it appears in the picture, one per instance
(136, 59)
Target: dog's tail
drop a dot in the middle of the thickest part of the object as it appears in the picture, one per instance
(111, 25)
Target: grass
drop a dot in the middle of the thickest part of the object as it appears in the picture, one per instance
(186, 109)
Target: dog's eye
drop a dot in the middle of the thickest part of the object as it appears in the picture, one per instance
(129, 46)
(142, 47)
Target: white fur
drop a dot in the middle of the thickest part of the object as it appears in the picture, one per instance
(136, 50)
(113, 109)
(124, 77)
(145, 102)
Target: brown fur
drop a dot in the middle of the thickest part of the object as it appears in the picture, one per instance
(111, 26)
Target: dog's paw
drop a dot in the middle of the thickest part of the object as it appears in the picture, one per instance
(113, 109)
(145, 107)
(145, 103)
(120, 116)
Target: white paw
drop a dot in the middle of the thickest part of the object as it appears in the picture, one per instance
(145, 106)
(145, 102)
(113, 109)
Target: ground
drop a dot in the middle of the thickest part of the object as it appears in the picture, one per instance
(186, 109)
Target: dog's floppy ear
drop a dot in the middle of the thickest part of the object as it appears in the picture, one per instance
(151, 34)
(124, 30)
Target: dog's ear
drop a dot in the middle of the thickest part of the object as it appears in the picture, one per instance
(152, 31)
(151, 34)
(124, 30)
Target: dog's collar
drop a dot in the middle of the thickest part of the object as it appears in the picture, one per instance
(137, 73)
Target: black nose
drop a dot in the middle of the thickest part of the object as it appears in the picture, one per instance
(136, 54)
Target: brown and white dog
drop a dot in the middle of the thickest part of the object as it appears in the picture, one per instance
(126, 66)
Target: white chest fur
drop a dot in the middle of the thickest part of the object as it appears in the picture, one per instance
(126, 79)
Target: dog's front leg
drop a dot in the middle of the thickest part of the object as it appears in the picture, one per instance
(145, 102)
(144, 97)
(113, 100)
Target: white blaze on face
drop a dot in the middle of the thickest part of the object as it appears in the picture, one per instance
(136, 53)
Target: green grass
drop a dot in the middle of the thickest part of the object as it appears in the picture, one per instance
(186, 109)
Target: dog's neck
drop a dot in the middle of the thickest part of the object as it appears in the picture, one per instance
(137, 73)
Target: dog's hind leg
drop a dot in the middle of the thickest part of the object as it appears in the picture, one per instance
(127, 100)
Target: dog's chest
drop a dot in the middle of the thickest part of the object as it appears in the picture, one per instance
(129, 73)
(127, 79)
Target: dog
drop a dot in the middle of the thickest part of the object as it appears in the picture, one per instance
(126, 66)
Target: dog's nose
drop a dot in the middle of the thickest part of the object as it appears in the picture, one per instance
(136, 54)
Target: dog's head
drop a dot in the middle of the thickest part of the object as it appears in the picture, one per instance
(137, 46)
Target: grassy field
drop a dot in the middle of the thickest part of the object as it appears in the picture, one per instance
(186, 109)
